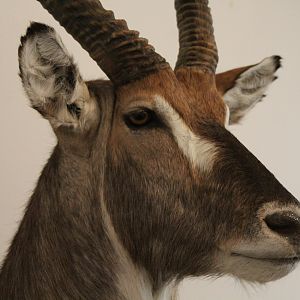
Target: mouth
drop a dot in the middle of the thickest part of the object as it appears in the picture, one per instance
(258, 266)
(274, 260)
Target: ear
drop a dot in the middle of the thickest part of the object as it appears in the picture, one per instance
(243, 88)
(51, 79)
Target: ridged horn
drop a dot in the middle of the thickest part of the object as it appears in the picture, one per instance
(197, 46)
(120, 52)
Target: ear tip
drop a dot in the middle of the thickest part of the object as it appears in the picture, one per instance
(42, 45)
(277, 61)
(34, 29)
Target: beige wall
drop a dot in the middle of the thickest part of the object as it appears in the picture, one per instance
(246, 31)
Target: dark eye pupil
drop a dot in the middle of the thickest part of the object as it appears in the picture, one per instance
(141, 116)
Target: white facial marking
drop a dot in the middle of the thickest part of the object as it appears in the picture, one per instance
(201, 152)
(253, 270)
(255, 259)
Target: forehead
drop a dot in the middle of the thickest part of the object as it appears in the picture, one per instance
(195, 98)
(185, 107)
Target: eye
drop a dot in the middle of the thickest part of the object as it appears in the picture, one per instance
(139, 118)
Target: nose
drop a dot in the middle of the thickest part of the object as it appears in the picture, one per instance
(285, 223)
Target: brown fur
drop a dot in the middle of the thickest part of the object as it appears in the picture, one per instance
(169, 217)
(172, 218)
(225, 81)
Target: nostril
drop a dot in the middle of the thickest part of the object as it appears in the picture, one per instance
(284, 223)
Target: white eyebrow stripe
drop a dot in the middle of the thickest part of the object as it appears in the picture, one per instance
(200, 151)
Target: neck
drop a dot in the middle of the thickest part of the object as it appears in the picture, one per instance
(66, 247)
(134, 282)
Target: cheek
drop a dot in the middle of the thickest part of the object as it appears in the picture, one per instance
(153, 153)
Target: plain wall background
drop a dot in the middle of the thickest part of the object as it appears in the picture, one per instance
(246, 32)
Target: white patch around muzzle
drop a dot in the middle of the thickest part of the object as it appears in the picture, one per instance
(266, 257)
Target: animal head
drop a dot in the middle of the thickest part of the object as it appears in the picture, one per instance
(184, 196)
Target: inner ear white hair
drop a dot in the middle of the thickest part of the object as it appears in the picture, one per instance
(51, 79)
(250, 87)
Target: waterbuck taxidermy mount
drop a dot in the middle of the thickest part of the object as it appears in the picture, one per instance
(146, 186)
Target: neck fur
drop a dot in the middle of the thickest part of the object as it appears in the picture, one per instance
(133, 282)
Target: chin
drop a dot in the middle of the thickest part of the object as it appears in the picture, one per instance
(256, 269)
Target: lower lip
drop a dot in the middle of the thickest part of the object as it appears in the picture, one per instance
(281, 261)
